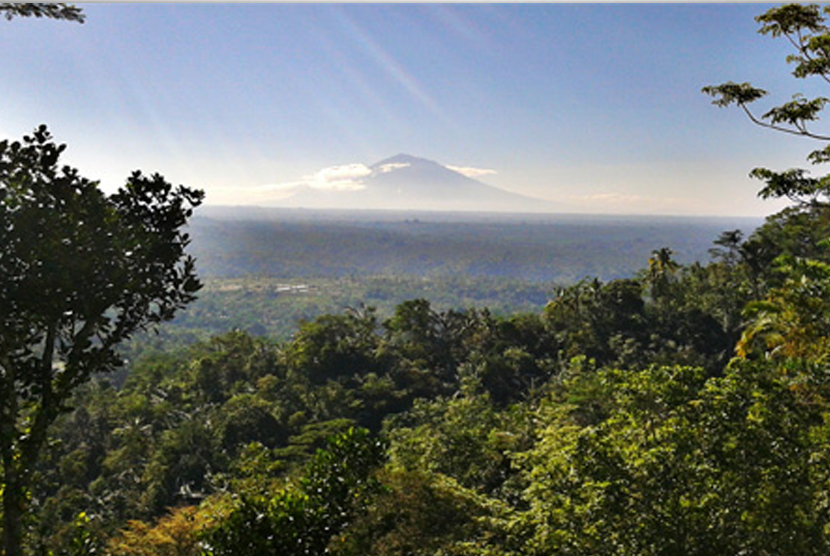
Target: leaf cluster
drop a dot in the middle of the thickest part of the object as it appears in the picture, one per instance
(67, 12)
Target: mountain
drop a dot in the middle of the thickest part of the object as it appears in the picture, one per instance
(405, 182)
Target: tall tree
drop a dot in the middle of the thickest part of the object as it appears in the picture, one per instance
(80, 272)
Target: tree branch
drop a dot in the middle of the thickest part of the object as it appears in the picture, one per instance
(801, 132)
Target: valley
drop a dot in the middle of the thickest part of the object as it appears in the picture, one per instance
(267, 270)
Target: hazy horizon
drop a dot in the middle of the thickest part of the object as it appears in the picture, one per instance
(302, 214)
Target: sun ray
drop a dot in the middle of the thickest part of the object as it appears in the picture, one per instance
(390, 66)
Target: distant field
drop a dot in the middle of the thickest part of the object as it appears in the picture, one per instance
(275, 307)
(534, 248)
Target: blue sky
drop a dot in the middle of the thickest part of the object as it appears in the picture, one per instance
(596, 107)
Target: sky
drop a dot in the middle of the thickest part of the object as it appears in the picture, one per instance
(597, 107)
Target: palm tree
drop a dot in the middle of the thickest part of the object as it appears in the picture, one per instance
(661, 269)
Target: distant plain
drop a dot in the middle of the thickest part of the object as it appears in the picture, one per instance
(539, 248)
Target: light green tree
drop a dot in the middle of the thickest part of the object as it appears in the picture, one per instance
(684, 465)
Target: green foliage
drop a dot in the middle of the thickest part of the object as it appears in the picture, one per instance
(460, 438)
(683, 466)
(792, 321)
(83, 542)
(453, 388)
(497, 444)
(686, 316)
(335, 346)
(303, 519)
(586, 318)
(416, 514)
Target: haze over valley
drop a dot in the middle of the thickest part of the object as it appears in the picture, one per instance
(542, 248)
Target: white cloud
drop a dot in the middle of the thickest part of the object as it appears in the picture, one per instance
(345, 177)
(339, 178)
(472, 172)
(334, 178)
(393, 166)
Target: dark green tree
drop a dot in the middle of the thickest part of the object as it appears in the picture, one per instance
(662, 272)
(601, 321)
(333, 347)
(80, 272)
